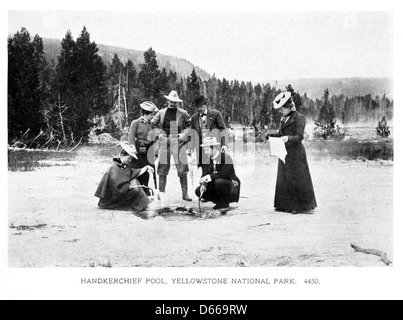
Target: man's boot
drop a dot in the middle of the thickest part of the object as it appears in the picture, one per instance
(184, 185)
(162, 183)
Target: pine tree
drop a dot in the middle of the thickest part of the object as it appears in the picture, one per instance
(295, 97)
(257, 106)
(192, 91)
(163, 86)
(66, 79)
(242, 104)
(81, 83)
(47, 83)
(149, 76)
(249, 103)
(235, 108)
(115, 70)
(133, 94)
(211, 88)
(266, 105)
(93, 82)
(25, 90)
(194, 86)
(131, 74)
(172, 80)
(119, 111)
(325, 123)
(181, 87)
(344, 118)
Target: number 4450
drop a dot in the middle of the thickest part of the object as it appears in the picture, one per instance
(312, 281)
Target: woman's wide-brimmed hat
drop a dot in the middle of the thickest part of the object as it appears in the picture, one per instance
(148, 106)
(129, 148)
(281, 99)
(200, 101)
(173, 96)
(210, 142)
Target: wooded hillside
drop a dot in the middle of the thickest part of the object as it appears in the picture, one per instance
(58, 93)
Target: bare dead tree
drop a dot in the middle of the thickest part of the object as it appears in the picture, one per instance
(79, 142)
(62, 109)
(41, 133)
(52, 136)
(126, 87)
(118, 115)
(26, 132)
(58, 144)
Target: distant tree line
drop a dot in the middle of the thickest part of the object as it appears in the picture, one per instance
(53, 103)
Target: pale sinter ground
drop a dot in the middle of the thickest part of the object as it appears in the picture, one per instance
(354, 206)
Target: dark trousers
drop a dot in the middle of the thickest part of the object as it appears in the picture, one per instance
(144, 179)
(218, 191)
(172, 147)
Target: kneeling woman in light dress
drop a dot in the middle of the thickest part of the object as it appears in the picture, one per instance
(119, 187)
(294, 188)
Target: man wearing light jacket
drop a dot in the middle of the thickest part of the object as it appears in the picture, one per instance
(173, 124)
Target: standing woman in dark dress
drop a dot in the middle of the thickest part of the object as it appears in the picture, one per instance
(140, 135)
(294, 188)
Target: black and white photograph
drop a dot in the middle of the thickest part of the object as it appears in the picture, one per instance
(201, 142)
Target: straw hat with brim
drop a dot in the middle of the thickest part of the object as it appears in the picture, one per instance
(173, 96)
(148, 106)
(281, 99)
(129, 148)
(210, 142)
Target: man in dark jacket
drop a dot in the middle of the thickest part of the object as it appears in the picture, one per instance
(222, 186)
(206, 123)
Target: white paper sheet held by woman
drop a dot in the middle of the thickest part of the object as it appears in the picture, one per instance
(277, 148)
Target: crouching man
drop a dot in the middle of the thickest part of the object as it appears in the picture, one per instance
(220, 182)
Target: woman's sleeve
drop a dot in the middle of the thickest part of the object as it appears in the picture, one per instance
(299, 135)
(274, 135)
(133, 132)
(157, 119)
(135, 173)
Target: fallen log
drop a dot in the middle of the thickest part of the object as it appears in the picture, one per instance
(260, 225)
(375, 252)
(15, 149)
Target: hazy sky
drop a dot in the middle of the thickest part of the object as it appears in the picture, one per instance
(246, 45)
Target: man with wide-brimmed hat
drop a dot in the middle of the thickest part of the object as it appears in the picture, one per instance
(218, 176)
(119, 186)
(141, 136)
(174, 124)
(206, 123)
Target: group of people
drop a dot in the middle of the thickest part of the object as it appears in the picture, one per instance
(159, 135)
